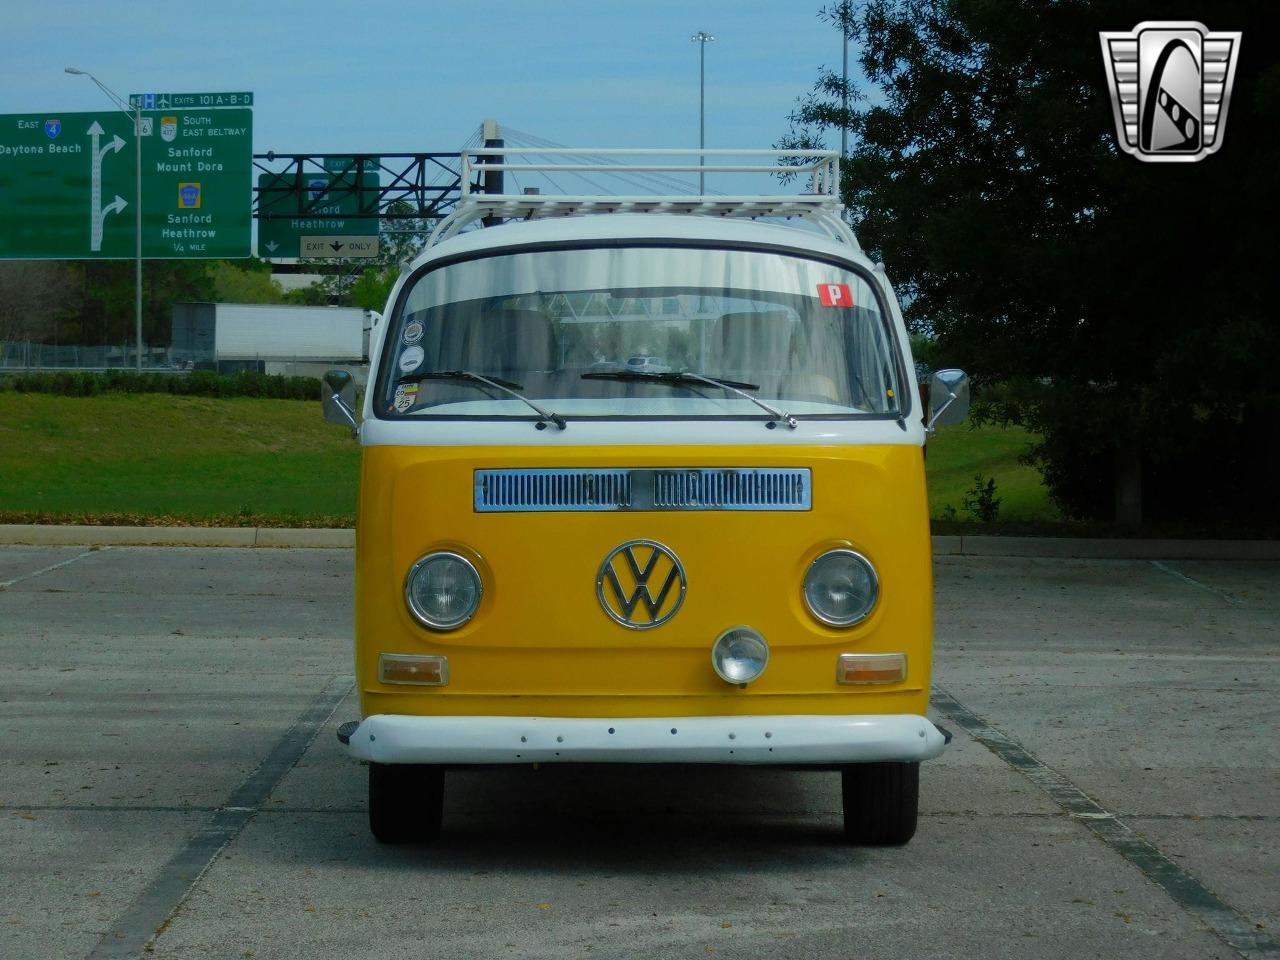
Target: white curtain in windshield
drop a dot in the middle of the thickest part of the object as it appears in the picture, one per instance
(609, 332)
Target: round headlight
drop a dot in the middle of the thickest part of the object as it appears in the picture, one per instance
(739, 655)
(841, 587)
(443, 590)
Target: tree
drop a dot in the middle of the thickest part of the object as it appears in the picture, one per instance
(101, 306)
(314, 295)
(401, 237)
(371, 289)
(33, 295)
(166, 282)
(1120, 303)
(244, 281)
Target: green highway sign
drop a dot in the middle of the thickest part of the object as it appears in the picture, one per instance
(189, 101)
(68, 185)
(325, 227)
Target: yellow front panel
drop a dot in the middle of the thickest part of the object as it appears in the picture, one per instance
(541, 644)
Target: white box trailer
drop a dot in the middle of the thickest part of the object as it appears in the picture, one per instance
(219, 332)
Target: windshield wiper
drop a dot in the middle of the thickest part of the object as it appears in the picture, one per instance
(506, 386)
(687, 377)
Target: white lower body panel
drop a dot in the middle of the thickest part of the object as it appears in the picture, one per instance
(821, 739)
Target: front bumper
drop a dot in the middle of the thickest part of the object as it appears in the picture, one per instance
(817, 739)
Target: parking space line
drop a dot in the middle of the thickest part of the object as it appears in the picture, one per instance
(4, 584)
(130, 934)
(1228, 924)
(1222, 594)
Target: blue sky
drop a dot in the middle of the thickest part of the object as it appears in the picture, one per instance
(403, 77)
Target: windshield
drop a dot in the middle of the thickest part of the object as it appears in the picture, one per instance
(605, 333)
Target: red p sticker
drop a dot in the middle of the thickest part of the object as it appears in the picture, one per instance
(835, 295)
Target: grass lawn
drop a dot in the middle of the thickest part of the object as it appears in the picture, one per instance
(121, 458)
(957, 454)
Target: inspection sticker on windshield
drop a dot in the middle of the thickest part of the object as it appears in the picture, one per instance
(835, 295)
(406, 397)
(411, 359)
(412, 332)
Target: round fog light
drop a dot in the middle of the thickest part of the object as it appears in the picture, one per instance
(739, 655)
(443, 590)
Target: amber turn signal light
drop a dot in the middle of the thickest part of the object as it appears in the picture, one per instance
(412, 668)
(871, 668)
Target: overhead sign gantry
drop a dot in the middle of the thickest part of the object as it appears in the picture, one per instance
(324, 205)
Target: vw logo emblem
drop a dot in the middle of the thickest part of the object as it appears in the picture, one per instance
(641, 584)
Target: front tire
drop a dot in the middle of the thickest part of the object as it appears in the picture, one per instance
(881, 803)
(406, 802)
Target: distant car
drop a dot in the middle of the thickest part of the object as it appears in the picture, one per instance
(647, 364)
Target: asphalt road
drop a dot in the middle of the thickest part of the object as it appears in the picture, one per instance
(171, 787)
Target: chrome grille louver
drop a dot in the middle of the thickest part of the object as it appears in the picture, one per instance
(663, 488)
(501, 491)
(731, 489)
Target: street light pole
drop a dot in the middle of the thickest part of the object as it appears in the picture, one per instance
(702, 38)
(136, 114)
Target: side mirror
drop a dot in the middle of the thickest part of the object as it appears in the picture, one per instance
(949, 398)
(338, 399)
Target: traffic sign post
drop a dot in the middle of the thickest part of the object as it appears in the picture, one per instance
(65, 180)
(326, 227)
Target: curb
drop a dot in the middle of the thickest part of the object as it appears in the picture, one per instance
(1084, 548)
(91, 536)
(1056, 548)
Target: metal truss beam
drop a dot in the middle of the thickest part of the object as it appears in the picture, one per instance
(404, 191)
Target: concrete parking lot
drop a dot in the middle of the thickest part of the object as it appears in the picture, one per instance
(171, 787)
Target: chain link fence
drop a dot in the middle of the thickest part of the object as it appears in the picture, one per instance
(24, 356)
(27, 355)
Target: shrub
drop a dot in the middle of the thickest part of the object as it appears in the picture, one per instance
(981, 502)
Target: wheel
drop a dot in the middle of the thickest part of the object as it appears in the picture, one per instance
(881, 802)
(406, 802)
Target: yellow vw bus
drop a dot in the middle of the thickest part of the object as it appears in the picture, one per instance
(643, 482)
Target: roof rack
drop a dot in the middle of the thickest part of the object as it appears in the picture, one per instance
(820, 168)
